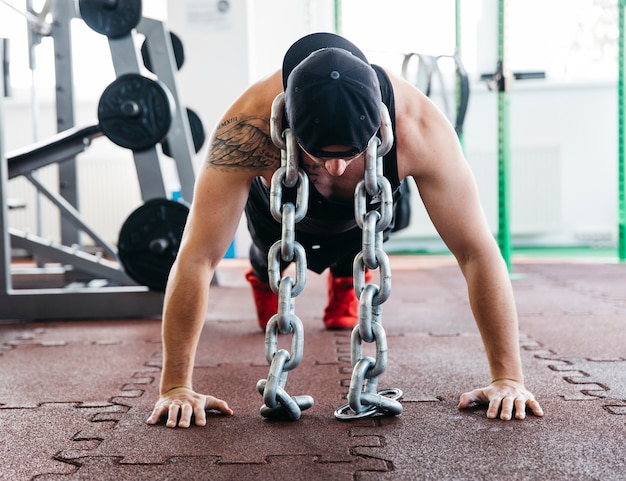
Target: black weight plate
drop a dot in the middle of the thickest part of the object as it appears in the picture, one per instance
(177, 46)
(113, 18)
(135, 112)
(149, 241)
(198, 134)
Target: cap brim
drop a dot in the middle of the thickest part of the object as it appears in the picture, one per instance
(313, 42)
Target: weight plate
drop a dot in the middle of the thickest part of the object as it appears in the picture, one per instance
(198, 134)
(149, 241)
(135, 112)
(177, 46)
(113, 18)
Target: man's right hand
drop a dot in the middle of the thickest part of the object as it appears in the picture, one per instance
(180, 404)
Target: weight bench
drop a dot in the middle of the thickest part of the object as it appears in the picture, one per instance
(61, 147)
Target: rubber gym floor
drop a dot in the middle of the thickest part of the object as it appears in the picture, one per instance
(74, 395)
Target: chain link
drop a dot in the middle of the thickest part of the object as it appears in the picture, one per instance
(363, 398)
(277, 403)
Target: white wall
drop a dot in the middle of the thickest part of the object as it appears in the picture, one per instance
(217, 59)
(229, 51)
(563, 165)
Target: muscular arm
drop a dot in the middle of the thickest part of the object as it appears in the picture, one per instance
(433, 156)
(240, 150)
(451, 198)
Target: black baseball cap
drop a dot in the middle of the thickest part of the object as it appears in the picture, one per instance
(332, 94)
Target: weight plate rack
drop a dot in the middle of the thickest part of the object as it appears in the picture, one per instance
(142, 114)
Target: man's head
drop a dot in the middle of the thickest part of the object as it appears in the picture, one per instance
(332, 95)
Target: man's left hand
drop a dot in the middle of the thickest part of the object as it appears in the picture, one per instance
(505, 398)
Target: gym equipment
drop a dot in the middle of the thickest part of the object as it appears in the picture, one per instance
(179, 138)
(113, 18)
(135, 112)
(504, 138)
(364, 399)
(501, 82)
(425, 72)
(198, 133)
(149, 241)
(177, 47)
(4, 66)
(621, 222)
(422, 70)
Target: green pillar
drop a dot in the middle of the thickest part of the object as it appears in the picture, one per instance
(621, 141)
(338, 17)
(457, 26)
(504, 147)
(457, 51)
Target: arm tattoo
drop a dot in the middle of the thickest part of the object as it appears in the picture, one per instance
(243, 143)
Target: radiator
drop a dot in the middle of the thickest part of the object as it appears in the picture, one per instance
(108, 191)
(536, 190)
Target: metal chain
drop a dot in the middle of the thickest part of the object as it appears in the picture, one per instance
(363, 397)
(277, 403)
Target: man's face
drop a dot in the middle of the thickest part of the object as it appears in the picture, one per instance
(334, 163)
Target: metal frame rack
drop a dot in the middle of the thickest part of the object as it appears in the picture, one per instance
(105, 290)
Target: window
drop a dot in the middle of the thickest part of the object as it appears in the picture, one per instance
(571, 40)
(93, 69)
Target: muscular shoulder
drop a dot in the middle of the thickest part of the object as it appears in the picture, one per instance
(425, 138)
(242, 139)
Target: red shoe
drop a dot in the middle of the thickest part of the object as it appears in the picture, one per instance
(342, 311)
(264, 298)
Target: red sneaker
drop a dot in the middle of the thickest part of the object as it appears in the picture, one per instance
(342, 311)
(264, 298)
